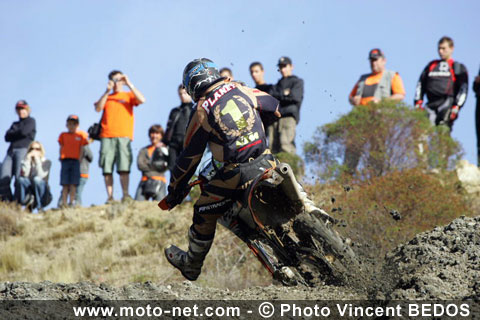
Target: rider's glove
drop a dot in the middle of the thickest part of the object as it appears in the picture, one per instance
(454, 113)
(174, 197)
(419, 105)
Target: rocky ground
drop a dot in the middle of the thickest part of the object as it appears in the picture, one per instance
(443, 263)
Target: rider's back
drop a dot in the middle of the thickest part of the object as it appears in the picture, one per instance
(236, 133)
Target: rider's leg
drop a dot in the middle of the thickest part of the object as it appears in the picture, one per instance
(232, 222)
(212, 204)
(190, 262)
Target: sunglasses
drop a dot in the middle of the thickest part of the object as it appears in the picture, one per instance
(37, 149)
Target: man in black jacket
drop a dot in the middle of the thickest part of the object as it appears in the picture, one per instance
(258, 76)
(20, 134)
(289, 91)
(445, 82)
(176, 126)
(476, 89)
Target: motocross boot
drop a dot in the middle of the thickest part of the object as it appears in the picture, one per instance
(189, 263)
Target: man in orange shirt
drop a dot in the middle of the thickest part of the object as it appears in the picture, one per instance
(117, 130)
(71, 150)
(373, 87)
(379, 84)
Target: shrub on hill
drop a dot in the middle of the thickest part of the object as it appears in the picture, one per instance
(382, 138)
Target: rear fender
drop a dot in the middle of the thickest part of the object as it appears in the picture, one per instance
(273, 198)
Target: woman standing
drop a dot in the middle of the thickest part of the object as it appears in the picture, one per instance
(32, 188)
(20, 135)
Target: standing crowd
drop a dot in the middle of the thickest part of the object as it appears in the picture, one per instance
(444, 82)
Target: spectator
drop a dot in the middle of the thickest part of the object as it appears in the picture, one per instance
(152, 160)
(476, 89)
(71, 151)
(257, 73)
(85, 160)
(227, 73)
(445, 82)
(117, 130)
(380, 83)
(289, 91)
(20, 135)
(32, 189)
(177, 125)
(372, 87)
(258, 76)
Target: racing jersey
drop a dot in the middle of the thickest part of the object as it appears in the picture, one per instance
(442, 79)
(227, 118)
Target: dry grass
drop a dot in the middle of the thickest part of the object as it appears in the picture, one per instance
(117, 244)
(421, 200)
(9, 220)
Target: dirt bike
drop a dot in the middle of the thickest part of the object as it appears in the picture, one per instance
(295, 246)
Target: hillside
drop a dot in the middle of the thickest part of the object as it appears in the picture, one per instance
(115, 252)
(117, 244)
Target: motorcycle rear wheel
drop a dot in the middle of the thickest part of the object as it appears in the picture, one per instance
(334, 258)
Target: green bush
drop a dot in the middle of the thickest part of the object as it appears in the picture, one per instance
(384, 137)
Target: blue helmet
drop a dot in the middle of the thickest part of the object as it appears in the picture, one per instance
(198, 75)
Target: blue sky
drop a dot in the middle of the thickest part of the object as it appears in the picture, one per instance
(56, 55)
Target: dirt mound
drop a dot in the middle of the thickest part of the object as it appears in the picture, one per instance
(440, 264)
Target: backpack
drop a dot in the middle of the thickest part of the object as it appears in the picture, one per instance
(159, 160)
(95, 130)
(151, 188)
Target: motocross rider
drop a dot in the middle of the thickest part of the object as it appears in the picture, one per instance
(226, 116)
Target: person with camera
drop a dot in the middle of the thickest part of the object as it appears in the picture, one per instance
(32, 188)
(117, 130)
(20, 134)
(152, 161)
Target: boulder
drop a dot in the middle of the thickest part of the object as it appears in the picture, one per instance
(469, 176)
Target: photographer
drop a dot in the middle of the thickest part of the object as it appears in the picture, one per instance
(32, 188)
(117, 130)
(152, 160)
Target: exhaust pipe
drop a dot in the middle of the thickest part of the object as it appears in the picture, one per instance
(289, 183)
